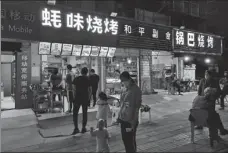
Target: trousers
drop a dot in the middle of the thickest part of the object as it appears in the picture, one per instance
(129, 137)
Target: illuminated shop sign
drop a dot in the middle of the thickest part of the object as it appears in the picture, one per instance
(196, 42)
(78, 21)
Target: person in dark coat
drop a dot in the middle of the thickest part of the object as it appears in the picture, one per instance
(214, 120)
(224, 91)
(94, 80)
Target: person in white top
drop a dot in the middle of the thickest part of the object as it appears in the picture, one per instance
(102, 137)
(103, 108)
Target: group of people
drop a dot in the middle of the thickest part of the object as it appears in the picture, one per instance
(81, 88)
(208, 92)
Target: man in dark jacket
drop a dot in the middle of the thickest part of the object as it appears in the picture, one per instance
(82, 92)
(94, 80)
(130, 101)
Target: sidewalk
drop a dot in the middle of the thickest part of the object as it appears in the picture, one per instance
(170, 134)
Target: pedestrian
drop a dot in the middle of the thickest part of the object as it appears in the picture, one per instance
(208, 81)
(69, 87)
(103, 108)
(102, 137)
(94, 79)
(130, 100)
(82, 92)
(224, 90)
(56, 84)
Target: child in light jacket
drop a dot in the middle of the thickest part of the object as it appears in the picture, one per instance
(102, 137)
(103, 108)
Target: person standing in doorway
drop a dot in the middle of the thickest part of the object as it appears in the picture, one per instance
(130, 100)
(224, 89)
(69, 87)
(82, 92)
(56, 83)
(94, 80)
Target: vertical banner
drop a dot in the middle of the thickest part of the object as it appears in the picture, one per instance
(13, 78)
(23, 74)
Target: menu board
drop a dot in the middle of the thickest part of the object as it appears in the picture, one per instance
(56, 48)
(86, 50)
(103, 51)
(67, 49)
(111, 51)
(44, 48)
(95, 51)
(77, 49)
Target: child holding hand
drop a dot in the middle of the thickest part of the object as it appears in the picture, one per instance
(102, 137)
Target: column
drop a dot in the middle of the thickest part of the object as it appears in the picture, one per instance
(23, 95)
(36, 64)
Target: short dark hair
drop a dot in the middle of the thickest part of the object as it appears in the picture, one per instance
(56, 71)
(208, 72)
(92, 70)
(84, 71)
(118, 71)
(69, 67)
(125, 76)
(103, 96)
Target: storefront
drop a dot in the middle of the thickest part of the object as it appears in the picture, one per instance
(195, 52)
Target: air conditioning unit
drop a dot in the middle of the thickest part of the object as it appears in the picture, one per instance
(51, 2)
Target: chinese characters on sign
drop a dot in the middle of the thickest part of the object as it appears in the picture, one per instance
(17, 15)
(94, 24)
(24, 77)
(193, 39)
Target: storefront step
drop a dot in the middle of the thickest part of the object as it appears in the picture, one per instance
(13, 119)
(52, 120)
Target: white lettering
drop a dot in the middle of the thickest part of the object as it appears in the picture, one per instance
(191, 39)
(155, 33)
(75, 21)
(141, 30)
(180, 38)
(201, 41)
(168, 35)
(51, 18)
(127, 29)
(20, 29)
(210, 42)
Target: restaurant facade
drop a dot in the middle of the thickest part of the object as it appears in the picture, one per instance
(54, 36)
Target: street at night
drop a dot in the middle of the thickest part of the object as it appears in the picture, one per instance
(114, 76)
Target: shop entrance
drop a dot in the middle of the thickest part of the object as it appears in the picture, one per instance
(8, 74)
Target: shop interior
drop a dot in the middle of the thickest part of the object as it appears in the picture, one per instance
(8, 68)
(58, 56)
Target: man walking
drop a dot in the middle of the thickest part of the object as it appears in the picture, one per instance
(131, 100)
(94, 80)
(69, 87)
(82, 90)
(224, 90)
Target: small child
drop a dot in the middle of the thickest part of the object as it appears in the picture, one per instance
(103, 108)
(102, 137)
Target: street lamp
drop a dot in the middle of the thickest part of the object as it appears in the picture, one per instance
(207, 60)
(186, 58)
(129, 61)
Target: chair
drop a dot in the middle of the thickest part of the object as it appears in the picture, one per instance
(140, 115)
(200, 119)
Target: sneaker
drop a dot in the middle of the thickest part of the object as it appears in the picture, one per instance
(76, 131)
(84, 130)
(224, 132)
(222, 108)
